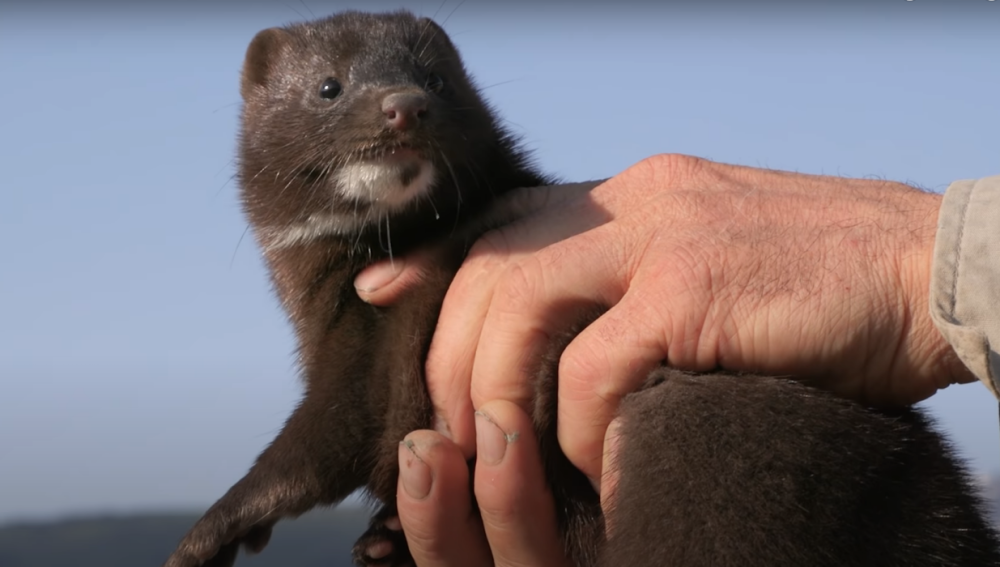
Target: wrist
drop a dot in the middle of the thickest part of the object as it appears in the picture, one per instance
(927, 361)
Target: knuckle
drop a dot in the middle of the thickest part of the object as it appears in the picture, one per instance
(487, 255)
(485, 391)
(584, 368)
(489, 246)
(670, 168)
(517, 290)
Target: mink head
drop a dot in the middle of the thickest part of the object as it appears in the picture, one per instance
(355, 119)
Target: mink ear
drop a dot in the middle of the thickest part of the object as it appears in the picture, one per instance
(260, 58)
(432, 29)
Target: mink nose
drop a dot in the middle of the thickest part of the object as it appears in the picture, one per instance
(404, 110)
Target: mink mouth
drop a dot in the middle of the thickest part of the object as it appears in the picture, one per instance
(389, 154)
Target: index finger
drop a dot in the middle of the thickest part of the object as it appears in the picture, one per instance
(457, 337)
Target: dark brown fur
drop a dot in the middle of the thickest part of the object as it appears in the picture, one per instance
(716, 470)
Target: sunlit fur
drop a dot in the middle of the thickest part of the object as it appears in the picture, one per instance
(319, 225)
(383, 184)
(379, 185)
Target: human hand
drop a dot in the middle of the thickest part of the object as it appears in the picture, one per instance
(516, 522)
(703, 265)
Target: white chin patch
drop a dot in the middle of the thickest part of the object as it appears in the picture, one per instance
(387, 185)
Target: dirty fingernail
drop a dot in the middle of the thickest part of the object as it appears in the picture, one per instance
(491, 441)
(378, 275)
(414, 473)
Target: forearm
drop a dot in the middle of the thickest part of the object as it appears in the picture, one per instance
(965, 277)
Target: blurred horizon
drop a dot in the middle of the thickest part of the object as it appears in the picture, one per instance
(143, 360)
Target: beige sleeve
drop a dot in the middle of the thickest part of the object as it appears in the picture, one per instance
(965, 277)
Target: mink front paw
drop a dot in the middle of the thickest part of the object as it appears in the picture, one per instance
(243, 517)
(384, 544)
(216, 539)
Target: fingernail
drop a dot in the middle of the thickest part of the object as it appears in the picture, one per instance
(491, 441)
(378, 275)
(413, 471)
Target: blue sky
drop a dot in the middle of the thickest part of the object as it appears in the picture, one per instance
(143, 360)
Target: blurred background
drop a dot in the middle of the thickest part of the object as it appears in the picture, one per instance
(143, 360)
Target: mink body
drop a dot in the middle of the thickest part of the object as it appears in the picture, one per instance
(362, 136)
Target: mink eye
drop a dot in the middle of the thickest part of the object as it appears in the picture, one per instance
(434, 83)
(330, 89)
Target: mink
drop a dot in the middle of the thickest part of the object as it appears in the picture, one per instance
(363, 137)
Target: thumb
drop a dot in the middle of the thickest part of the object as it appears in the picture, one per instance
(385, 281)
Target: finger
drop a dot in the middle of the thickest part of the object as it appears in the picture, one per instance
(538, 298)
(385, 281)
(606, 361)
(610, 472)
(453, 348)
(435, 506)
(517, 508)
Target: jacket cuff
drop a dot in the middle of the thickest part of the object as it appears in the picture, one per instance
(965, 276)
